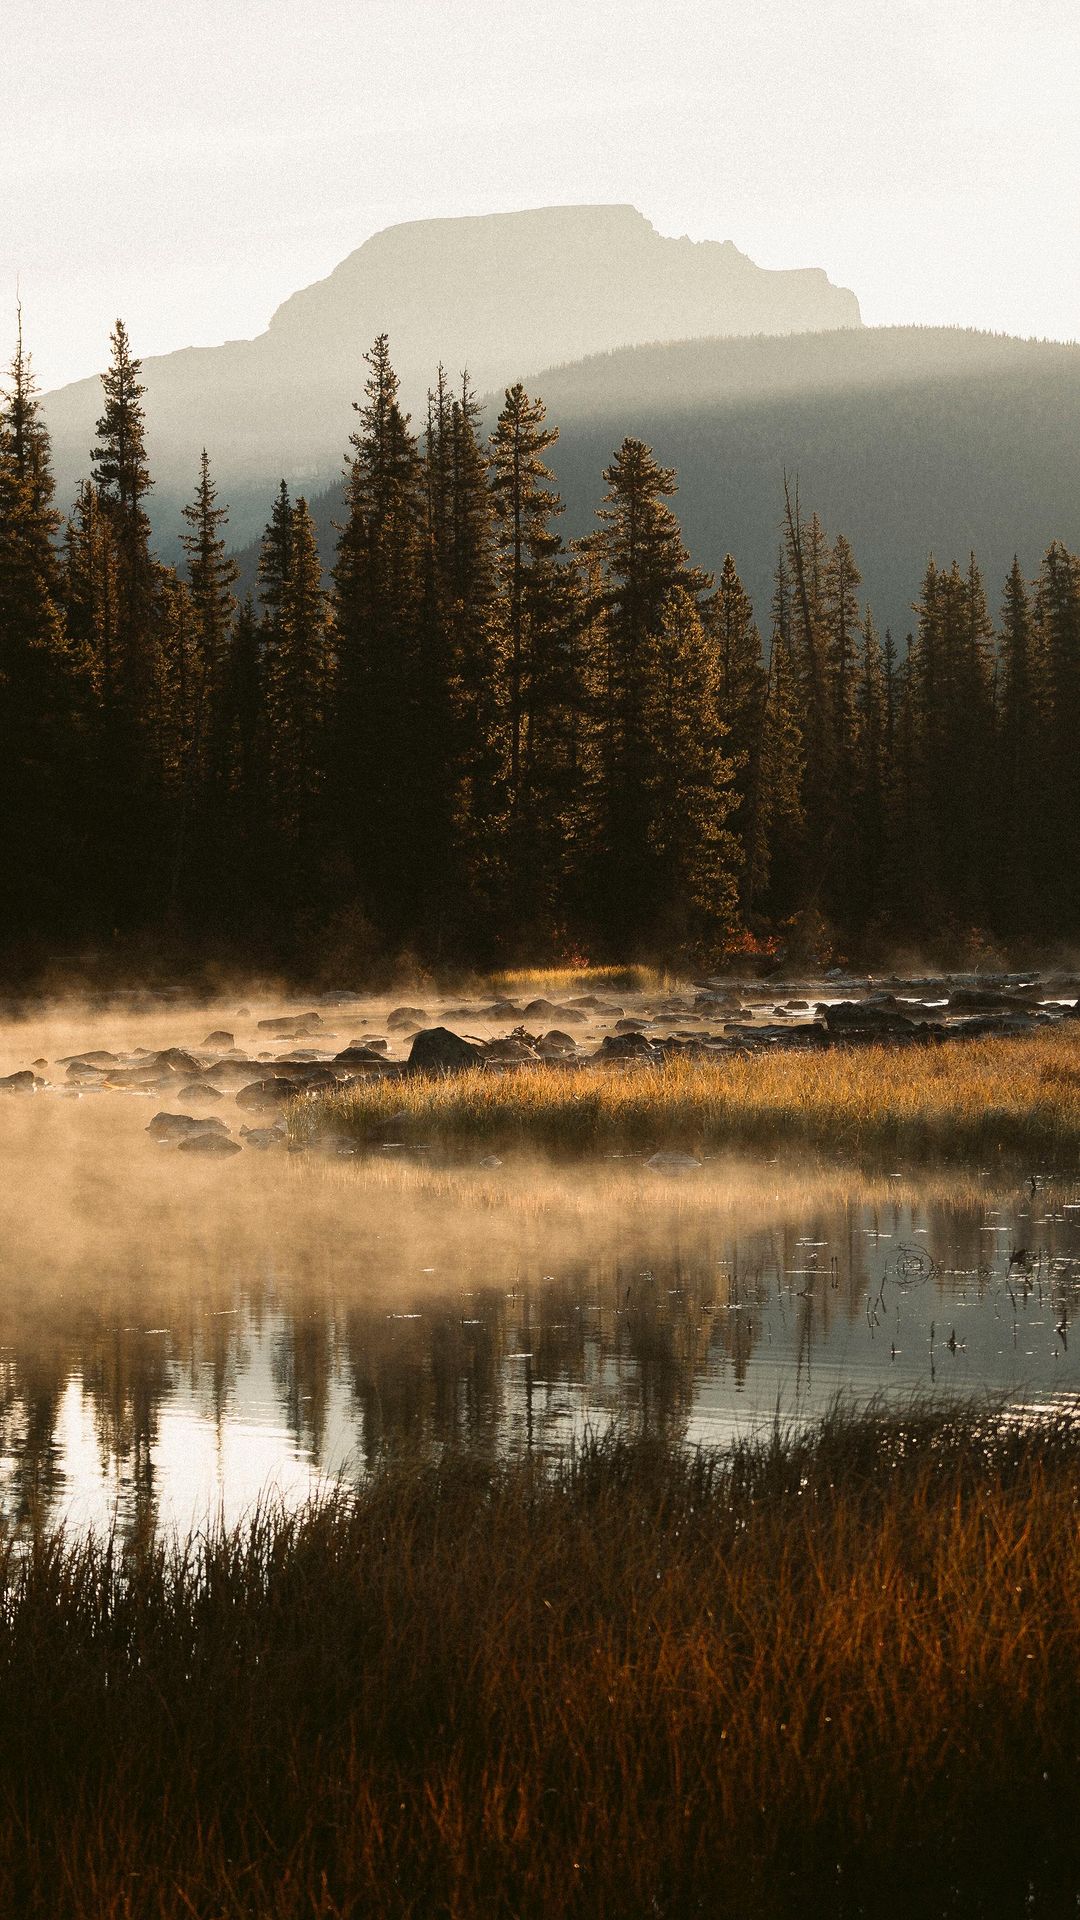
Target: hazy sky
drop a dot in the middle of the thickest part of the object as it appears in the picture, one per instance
(188, 165)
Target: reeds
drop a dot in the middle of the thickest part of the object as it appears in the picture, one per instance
(822, 1675)
(980, 1100)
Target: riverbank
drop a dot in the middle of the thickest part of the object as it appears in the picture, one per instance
(1014, 1099)
(833, 1674)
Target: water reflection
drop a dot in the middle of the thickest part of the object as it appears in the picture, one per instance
(176, 1340)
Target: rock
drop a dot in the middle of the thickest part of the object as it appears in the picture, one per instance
(200, 1090)
(263, 1139)
(23, 1082)
(217, 1144)
(860, 1016)
(553, 1044)
(292, 1023)
(437, 1050)
(174, 1127)
(94, 1057)
(627, 1046)
(673, 1163)
(175, 1060)
(268, 1093)
(375, 1041)
(220, 1037)
(630, 1025)
(408, 1019)
(547, 1010)
(359, 1054)
(491, 1160)
(514, 1046)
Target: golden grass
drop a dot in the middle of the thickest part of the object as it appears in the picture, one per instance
(830, 1675)
(980, 1100)
(536, 980)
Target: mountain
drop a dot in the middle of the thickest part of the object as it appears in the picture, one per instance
(501, 294)
(906, 439)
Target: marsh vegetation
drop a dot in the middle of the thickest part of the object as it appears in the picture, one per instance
(833, 1674)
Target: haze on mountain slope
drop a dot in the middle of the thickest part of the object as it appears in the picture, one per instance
(906, 439)
(501, 294)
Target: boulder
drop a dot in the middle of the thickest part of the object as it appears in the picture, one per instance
(861, 1016)
(262, 1095)
(513, 1046)
(554, 1043)
(200, 1090)
(175, 1060)
(437, 1050)
(292, 1023)
(216, 1144)
(361, 1055)
(627, 1046)
(631, 1024)
(264, 1139)
(171, 1128)
(673, 1163)
(23, 1082)
(408, 1019)
(220, 1037)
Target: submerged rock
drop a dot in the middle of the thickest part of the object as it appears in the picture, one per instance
(23, 1082)
(673, 1163)
(265, 1138)
(266, 1094)
(171, 1128)
(292, 1023)
(217, 1144)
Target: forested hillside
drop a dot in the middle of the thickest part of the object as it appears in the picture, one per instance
(477, 740)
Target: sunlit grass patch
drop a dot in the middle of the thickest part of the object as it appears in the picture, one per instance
(628, 979)
(981, 1100)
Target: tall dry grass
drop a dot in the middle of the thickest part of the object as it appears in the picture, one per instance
(829, 1676)
(978, 1100)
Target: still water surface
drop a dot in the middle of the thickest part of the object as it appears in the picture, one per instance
(179, 1338)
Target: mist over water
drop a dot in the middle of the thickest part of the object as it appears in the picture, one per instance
(180, 1337)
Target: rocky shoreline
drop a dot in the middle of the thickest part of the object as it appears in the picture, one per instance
(255, 1066)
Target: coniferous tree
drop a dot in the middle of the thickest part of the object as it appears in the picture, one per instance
(525, 502)
(123, 482)
(546, 609)
(741, 691)
(1021, 792)
(774, 849)
(1057, 622)
(42, 690)
(380, 580)
(654, 645)
(299, 700)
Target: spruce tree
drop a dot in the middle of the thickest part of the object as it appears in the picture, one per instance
(299, 698)
(658, 677)
(123, 482)
(741, 692)
(42, 692)
(380, 582)
(525, 502)
(1057, 621)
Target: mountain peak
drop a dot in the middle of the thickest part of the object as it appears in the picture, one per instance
(504, 294)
